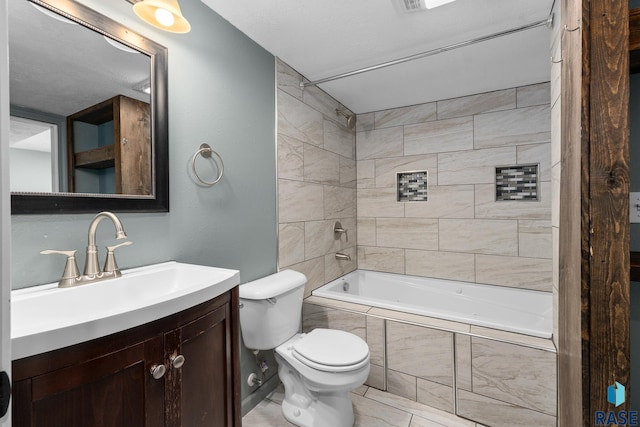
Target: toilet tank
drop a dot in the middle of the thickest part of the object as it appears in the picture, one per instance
(271, 308)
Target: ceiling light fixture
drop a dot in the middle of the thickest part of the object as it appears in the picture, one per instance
(163, 14)
(417, 5)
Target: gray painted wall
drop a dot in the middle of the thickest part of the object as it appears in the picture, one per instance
(221, 91)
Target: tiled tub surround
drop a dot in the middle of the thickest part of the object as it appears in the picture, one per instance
(492, 377)
(461, 232)
(316, 182)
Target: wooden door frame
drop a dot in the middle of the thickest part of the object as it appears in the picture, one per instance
(593, 304)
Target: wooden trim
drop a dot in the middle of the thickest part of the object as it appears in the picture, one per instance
(593, 320)
(634, 29)
(634, 267)
(608, 175)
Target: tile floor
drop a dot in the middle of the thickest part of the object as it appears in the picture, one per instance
(373, 408)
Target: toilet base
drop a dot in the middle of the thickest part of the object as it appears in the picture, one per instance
(311, 409)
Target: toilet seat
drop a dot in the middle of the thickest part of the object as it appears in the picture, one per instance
(331, 350)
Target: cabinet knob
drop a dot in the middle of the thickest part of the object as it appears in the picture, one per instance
(177, 361)
(157, 371)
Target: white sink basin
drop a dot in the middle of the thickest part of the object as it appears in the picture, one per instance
(46, 317)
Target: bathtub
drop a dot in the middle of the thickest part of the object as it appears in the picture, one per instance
(510, 309)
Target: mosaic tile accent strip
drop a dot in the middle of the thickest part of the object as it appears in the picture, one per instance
(517, 183)
(412, 186)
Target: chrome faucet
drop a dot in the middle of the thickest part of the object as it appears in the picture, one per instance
(91, 266)
(92, 272)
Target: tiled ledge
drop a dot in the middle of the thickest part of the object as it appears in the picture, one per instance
(436, 323)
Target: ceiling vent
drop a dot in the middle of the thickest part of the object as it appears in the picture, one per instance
(418, 5)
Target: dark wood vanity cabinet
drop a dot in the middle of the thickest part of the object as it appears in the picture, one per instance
(109, 381)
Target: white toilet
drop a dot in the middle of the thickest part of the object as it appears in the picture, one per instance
(318, 369)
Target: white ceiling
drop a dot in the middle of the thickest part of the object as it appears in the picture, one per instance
(322, 38)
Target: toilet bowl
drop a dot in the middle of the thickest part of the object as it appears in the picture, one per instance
(318, 369)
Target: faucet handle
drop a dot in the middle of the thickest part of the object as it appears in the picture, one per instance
(110, 265)
(338, 230)
(71, 273)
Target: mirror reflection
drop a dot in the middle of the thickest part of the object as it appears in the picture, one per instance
(80, 108)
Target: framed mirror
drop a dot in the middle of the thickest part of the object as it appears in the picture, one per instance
(89, 124)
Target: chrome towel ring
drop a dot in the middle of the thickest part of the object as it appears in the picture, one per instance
(206, 151)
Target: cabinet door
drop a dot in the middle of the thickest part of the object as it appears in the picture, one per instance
(113, 390)
(200, 392)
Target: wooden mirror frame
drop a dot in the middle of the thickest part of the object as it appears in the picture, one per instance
(60, 203)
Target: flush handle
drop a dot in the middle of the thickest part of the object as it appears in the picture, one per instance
(177, 361)
(157, 371)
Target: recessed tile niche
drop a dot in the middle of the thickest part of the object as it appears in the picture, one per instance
(412, 186)
(517, 183)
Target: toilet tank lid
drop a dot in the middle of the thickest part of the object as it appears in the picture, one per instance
(273, 285)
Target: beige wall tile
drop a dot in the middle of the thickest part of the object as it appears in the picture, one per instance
(387, 169)
(299, 121)
(443, 265)
(401, 384)
(379, 202)
(435, 395)
(365, 122)
(487, 207)
(367, 231)
(439, 136)
(339, 139)
(480, 236)
(318, 238)
(379, 143)
(414, 233)
(473, 167)
(534, 239)
(337, 304)
(538, 94)
(476, 104)
(431, 322)
(299, 201)
(444, 201)
(314, 316)
(515, 374)
(536, 153)
(514, 338)
(496, 413)
(422, 352)
(405, 115)
(390, 260)
(339, 202)
(517, 272)
(365, 173)
(530, 125)
(289, 80)
(321, 166)
(314, 270)
(320, 101)
(335, 268)
(290, 158)
(463, 362)
(375, 339)
(290, 243)
(347, 172)
(376, 377)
